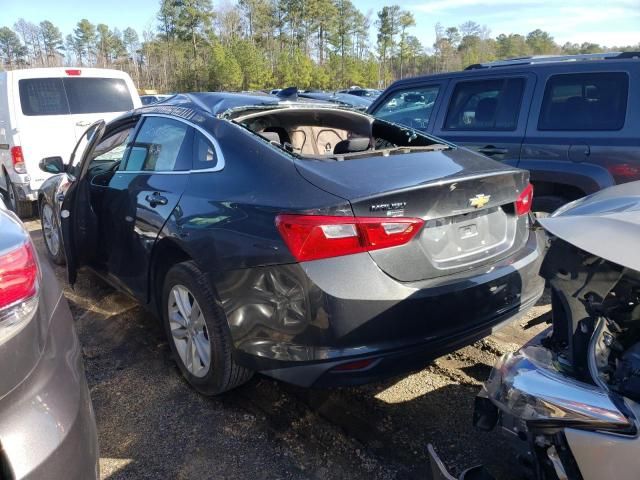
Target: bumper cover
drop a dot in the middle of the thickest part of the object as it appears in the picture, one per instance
(25, 192)
(353, 311)
(47, 425)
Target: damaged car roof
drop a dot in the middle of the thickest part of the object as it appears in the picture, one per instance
(605, 224)
(219, 103)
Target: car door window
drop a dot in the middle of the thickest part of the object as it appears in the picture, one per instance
(79, 150)
(585, 101)
(412, 106)
(113, 148)
(485, 105)
(157, 146)
(108, 155)
(204, 155)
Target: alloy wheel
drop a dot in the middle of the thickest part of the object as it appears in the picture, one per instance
(189, 331)
(50, 227)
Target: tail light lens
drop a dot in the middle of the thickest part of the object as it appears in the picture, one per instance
(312, 237)
(523, 203)
(624, 172)
(18, 276)
(73, 72)
(17, 158)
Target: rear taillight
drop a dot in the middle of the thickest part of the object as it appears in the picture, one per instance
(18, 275)
(312, 237)
(73, 72)
(523, 203)
(17, 159)
(624, 172)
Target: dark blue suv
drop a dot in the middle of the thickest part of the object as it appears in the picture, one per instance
(572, 121)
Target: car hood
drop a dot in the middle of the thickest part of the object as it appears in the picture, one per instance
(605, 224)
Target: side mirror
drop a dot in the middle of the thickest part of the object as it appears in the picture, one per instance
(52, 165)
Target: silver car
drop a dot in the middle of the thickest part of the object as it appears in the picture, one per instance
(570, 398)
(47, 425)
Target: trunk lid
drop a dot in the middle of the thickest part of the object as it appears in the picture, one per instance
(466, 200)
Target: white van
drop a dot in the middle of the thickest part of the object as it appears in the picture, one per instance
(43, 112)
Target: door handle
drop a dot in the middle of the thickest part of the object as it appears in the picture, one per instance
(83, 123)
(156, 199)
(491, 150)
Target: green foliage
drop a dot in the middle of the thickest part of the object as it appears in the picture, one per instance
(254, 68)
(51, 41)
(84, 41)
(541, 43)
(294, 69)
(511, 46)
(224, 70)
(11, 49)
(262, 44)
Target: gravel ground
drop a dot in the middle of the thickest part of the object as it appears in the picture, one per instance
(152, 425)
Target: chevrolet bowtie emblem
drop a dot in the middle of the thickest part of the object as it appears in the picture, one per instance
(479, 200)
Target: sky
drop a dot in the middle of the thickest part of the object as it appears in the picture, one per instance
(607, 22)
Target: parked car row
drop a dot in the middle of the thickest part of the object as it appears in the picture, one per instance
(298, 236)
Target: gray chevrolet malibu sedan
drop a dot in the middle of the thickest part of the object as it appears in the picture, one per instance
(47, 426)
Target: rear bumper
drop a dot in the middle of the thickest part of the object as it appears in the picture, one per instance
(25, 192)
(384, 363)
(353, 311)
(47, 425)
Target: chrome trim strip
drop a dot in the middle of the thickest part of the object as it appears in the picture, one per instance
(216, 146)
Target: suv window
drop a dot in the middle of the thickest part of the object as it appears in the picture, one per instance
(485, 105)
(97, 95)
(411, 106)
(204, 155)
(43, 96)
(585, 101)
(158, 146)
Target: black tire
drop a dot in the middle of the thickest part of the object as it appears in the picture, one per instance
(58, 257)
(547, 204)
(223, 374)
(24, 209)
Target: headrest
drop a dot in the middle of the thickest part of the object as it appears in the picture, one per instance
(357, 144)
(271, 136)
(486, 109)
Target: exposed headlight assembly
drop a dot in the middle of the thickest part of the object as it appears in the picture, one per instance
(526, 385)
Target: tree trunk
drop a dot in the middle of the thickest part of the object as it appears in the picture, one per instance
(195, 57)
